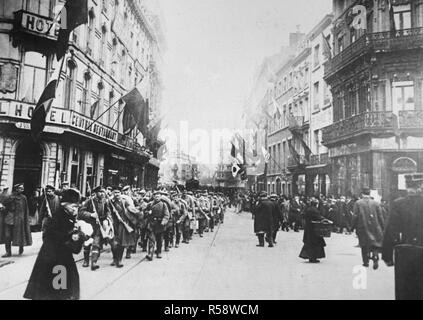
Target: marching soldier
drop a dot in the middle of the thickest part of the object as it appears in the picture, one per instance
(49, 206)
(169, 229)
(124, 227)
(202, 212)
(157, 220)
(403, 241)
(14, 224)
(188, 201)
(96, 212)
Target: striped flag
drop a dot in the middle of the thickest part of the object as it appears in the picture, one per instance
(38, 120)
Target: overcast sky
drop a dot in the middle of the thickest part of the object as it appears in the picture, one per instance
(214, 48)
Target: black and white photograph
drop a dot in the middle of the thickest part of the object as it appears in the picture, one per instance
(229, 151)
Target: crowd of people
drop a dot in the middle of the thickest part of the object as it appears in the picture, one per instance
(126, 219)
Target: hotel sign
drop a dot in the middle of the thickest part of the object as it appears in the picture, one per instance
(39, 25)
(22, 112)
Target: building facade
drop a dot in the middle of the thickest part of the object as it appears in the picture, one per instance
(118, 49)
(376, 79)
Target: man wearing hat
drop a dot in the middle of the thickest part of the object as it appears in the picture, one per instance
(15, 228)
(96, 212)
(403, 241)
(276, 216)
(263, 219)
(157, 220)
(202, 211)
(368, 223)
(49, 206)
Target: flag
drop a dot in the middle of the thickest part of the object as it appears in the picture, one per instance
(255, 142)
(233, 151)
(38, 120)
(136, 112)
(74, 13)
(327, 50)
(235, 169)
(266, 155)
(94, 108)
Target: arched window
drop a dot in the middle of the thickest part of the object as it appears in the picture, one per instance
(69, 85)
(86, 93)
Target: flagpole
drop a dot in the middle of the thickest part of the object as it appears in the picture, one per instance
(108, 109)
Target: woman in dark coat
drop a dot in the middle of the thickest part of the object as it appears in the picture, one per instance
(55, 275)
(313, 248)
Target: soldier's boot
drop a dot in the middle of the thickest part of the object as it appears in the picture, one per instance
(94, 258)
(21, 250)
(8, 247)
(159, 255)
(128, 253)
(119, 257)
(261, 240)
(86, 263)
(149, 256)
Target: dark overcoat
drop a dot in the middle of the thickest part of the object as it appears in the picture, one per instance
(368, 222)
(313, 245)
(16, 213)
(56, 252)
(263, 216)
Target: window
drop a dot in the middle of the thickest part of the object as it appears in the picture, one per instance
(341, 43)
(326, 93)
(41, 7)
(86, 94)
(284, 155)
(69, 85)
(402, 16)
(33, 77)
(90, 32)
(103, 47)
(316, 104)
(403, 96)
(317, 141)
(317, 55)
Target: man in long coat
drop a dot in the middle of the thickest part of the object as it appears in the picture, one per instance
(263, 220)
(47, 210)
(403, 238)
(157, 220)
(14, 224)
(368, 223)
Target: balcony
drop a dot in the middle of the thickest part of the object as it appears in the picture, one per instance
(319, 159)
(368, 122)
(293, 164)
(295, 123)
(379, 41)
(411, 120)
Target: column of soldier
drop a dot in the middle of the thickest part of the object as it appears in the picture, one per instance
(123, 218)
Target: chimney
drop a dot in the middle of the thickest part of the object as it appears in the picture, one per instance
(296, 37)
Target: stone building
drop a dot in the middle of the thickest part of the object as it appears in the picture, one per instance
(118, 49)
(376, 79)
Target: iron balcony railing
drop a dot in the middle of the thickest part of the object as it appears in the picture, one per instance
(361, 123)
(379, 41)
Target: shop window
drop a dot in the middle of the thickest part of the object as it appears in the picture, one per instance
(402, 16)
(403, 96)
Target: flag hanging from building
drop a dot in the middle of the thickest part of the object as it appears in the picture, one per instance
(294, 152)
(38, 120)
(266, 155)
(327, 50)
(135, 112)
(94, 108)
(73, 14)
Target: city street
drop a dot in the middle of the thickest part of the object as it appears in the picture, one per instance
(223, 265)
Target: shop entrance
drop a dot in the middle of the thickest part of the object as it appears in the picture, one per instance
(28, 165)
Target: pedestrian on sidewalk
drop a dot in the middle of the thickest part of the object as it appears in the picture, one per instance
(368, 223)
(263, 220)
(15, 229)
(61, 239)
(314, 245)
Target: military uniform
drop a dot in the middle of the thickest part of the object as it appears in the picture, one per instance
(156, 223)
(101, 207)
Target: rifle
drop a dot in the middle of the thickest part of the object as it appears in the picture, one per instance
(48, 206)
(127, 226)
(107, 233)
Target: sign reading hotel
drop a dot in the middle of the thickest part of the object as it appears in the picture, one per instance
(39, 25)
(21, 111)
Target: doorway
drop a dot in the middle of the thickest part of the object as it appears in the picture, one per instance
(28, 165)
